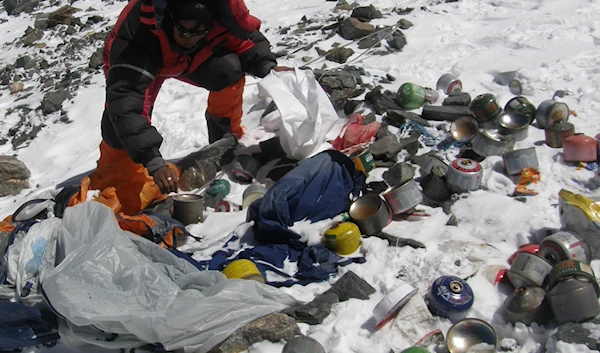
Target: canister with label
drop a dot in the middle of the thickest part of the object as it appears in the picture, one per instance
(464, 175)
(363, 160)
(485, 108)
(526, 305)
(449, 84)
(449, 294)
(489, 143)
(521, 105)
(565, 245)
(550, 112)
(558, 132)
(528, 270)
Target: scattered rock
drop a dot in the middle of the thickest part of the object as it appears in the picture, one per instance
(445, 113)
(14, 176)
(351, 286)
(16, 87)
(32, 35)
(404, 23)
(435, 188)
(366, 13)
(452, 221)
(400, 242)
(386, 148)
(352, 28)
(316, 311)
(398, 41)
(575, 333)
(52, 101)
(369, 42)
(377, 186)
(399, 174)
(383, 131)
(200, 167)
(15, 7)
(274, 328)
(61, 16)
(339, 55)
(25, 62)
(382, 102)
(96, 59)
(458, 98)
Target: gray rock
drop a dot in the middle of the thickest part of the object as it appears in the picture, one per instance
(274, 328)
(15, 7)
(339, 97)
(398, 41)
(400, 242)
(339, 55)
(382, 102)
(452, 221)
(445, 113)
(366, 13)
(52, 101)
(352, 28)
(383, 131)
(386, 148)
(96, 59)
(369, 118)
(399, 174)
(383, 164)
(94, 19)
(398, 117)
(458, 98)
(422, 158)
(411, 144)
(316, 311)
(200, 167)
(25, 62)
(32, 36)
(435, 188)
(369, 42)
(404, 23)
(351, 286)
(577, 334)
(14, 176)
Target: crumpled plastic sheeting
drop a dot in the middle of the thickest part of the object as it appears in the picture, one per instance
(111, 281)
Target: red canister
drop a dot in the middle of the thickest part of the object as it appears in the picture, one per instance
(579, 148)
(598, 151)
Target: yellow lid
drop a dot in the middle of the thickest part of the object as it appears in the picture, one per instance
(243, 269)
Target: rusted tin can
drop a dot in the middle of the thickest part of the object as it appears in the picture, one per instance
(550, 112)
(404, 197)
(565, 245)
(449, 294)
(464, 175)
(579, 148)
(572, 292)
(515, 161)
(489, 143)
(228, 206)
(557, 133)
(526, 305)
(363, 160)
(528, 270)
(485, 108)
(449, 84)
(521, 105)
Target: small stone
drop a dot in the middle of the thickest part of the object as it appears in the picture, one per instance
(404, 23)
(399, 174)
(340, 55)
(453, 221)
(316, 311)
(15, 87)
(307, 58)
(352, 28)
(386, 148)
(351, 286)
(575, 333)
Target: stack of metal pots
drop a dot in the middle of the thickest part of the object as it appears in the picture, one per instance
(554, 282)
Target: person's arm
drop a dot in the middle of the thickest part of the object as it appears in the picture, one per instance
(234, 15)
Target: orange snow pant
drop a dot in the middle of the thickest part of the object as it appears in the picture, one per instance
(227, 103)
(125, 186)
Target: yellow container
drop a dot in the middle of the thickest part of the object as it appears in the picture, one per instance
(243, 269)
(342, 238)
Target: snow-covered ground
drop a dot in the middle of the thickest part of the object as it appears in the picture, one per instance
(551, 44)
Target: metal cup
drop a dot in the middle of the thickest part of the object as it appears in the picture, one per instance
(188, 208)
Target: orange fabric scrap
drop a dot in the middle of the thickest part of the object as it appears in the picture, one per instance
(528, 176)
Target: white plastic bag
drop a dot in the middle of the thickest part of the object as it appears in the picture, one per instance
(307, 114)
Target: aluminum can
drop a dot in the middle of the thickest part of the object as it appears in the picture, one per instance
(464, 175)
(515, 161)
(388, 307)
(558, 132)
(550, 112)
(528, 270)
(489, 143)
(228, 206)
(565, 245)
(513, 124)
(363, 160)
(449, 84)
(403, 197)
(188, 208)
(526, 305)
(521, 105)
(485, 108)
(449, 294)
(573, 299)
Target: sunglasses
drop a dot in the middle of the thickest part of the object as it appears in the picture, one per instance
(184, 33)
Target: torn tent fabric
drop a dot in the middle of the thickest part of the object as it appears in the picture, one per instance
(320, 187)
(314, 263)
(117, 290)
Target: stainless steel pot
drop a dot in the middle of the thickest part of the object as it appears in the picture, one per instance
(514, 124)
(489, 143)
(370, 213)
(402, 198)
(467, 333)
(188, 208)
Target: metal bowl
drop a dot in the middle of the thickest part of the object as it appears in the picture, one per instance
(464, 129)
(471, 335)
(370, 213)
(513, 121)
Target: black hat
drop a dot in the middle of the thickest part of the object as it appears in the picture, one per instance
(190, 10)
